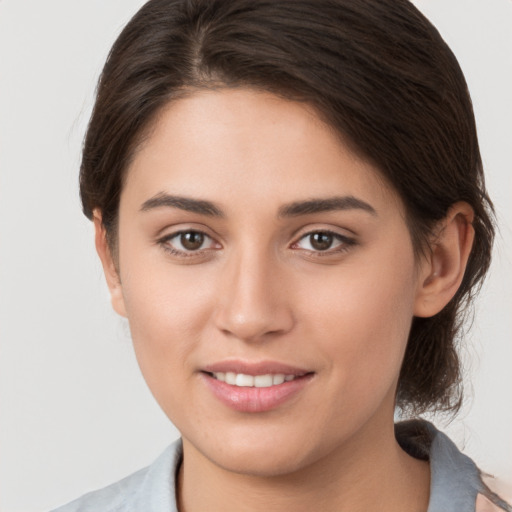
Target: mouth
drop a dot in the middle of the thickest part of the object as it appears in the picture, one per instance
(244, 380)
(255, 387)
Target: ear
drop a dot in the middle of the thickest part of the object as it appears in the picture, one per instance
(109, 267)
(443, 269)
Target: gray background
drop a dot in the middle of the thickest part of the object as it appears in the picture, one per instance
(75, 413)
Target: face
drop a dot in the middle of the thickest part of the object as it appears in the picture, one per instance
(269, 280)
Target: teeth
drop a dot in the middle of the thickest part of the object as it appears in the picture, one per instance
(245, 381)
(278, 378)
(263, 381)
(258, 381)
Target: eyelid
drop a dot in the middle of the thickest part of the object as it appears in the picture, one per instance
(343, 232)
(184, 226)
(164, 242)
(345, 241)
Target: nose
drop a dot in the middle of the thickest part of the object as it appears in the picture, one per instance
(253, 301)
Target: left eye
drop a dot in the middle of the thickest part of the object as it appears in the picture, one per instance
(322, 241)
(189, 241)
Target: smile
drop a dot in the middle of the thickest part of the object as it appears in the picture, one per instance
(255, 388)
(256, 381)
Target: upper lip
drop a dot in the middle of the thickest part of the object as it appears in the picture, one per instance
(254, 368)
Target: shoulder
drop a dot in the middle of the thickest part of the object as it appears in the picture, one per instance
(152, 487)
(456, 482)
(110, 498)
(497, 489)
(484, 504)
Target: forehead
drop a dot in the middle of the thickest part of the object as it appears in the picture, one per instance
(252, 146)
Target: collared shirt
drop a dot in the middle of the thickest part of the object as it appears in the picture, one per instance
(455, 484)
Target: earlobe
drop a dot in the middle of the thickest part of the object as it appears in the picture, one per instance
(442, 271)
(109, 267)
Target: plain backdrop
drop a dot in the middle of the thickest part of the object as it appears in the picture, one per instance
(75, 413)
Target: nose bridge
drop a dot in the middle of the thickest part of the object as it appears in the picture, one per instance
(253, 303)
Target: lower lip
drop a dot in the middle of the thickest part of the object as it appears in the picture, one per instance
(252, 399)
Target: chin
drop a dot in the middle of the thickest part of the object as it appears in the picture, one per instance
(263, 453)
(270, 463)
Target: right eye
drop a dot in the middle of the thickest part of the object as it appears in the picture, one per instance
(188, 242)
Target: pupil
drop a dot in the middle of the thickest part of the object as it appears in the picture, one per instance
(192, 240)
(321, 241)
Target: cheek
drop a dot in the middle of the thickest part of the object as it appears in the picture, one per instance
(363, 321)
(167, 309)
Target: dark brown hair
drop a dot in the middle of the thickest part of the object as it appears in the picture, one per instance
(377, 71)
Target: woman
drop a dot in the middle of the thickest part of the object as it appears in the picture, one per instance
(290, 211)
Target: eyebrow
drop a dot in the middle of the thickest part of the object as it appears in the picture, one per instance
(325, 205)
(295, 209)
(188, 204)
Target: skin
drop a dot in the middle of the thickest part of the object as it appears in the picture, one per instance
(258, 289)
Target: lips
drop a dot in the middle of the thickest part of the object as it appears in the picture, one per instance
(255, 387)
(255, 368)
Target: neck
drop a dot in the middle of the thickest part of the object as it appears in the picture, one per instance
(369, 472)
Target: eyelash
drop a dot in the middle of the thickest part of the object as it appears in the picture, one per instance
(164, 242)
(345, 243)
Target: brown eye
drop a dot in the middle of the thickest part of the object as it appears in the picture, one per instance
(321, 241)
(324, 242)
(188, 243)
(192, 240)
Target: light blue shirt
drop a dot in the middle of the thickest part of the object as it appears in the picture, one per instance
(455, 479)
